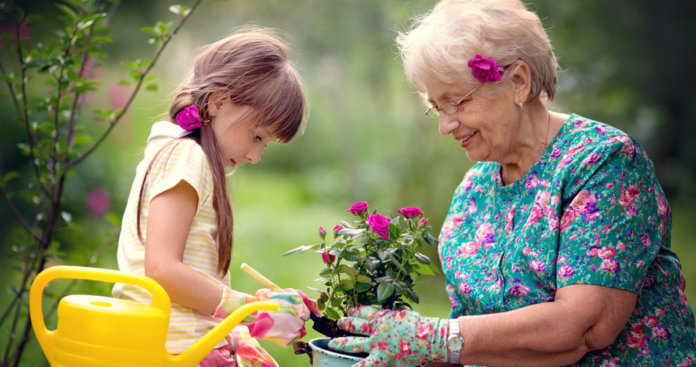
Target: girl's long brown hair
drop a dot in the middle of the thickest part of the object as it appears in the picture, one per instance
(251, 67)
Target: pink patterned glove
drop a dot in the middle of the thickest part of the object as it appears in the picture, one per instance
(396, 338)
(247, 351)
(287, 324)
(230, 301)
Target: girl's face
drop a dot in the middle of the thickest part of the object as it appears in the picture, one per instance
(481, 125)
(239, 140)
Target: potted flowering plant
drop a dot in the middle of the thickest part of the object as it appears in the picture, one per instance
(375, 260)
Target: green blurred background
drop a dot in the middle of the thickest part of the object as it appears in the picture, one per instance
(624, 62)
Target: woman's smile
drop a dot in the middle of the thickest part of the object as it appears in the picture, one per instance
(465, 140)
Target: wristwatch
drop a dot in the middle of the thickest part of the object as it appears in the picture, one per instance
(454, 341)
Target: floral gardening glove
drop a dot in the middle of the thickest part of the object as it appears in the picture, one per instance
(287, 324)
(230, 301)
(396, 338)
(247, 351)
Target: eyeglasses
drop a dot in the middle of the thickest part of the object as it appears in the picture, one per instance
(449, 108)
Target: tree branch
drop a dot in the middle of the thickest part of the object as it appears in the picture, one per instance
(135, 91)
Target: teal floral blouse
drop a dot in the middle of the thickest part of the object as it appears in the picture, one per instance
(590, 211)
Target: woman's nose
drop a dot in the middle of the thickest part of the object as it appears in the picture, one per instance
(447, 124)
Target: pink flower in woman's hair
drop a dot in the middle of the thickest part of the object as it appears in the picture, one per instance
(411, 212)
(328, 258)
(188, 118)
(485, 69)
(379, 224)
(358, 208)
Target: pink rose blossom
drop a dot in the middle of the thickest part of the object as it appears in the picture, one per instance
(337, 228)
(328, 258)
(322, 232)
(188, 118)
(411, 212)
(423, 221)
(358, 208)
(485, 69)
(379, 224)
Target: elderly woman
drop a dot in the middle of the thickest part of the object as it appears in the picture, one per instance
(556, 248)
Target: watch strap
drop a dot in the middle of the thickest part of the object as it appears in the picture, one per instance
(454, 348)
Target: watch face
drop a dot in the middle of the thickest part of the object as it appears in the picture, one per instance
(454, 343)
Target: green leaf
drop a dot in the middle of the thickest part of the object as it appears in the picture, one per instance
(363, 279)
(351, 231)
(384, 291)
(361, 287)
(332, 314)
(348, 283)
(150, 30)
(422, 258)
(151, 87)
(302, 249)
(432, 241)
(68, 11)
(349, 255)
(9, 176)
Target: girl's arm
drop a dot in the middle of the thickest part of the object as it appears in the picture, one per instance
(169, 221)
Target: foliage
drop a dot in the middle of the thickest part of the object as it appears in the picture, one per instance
(49, 82)
(373, 261)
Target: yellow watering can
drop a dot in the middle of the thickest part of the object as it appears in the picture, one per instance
(111, 332)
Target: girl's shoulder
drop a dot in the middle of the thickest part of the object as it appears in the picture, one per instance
(180, 153)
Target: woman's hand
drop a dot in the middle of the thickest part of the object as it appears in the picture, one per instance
(396, 338)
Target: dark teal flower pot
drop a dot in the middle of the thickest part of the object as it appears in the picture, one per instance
(322, 356)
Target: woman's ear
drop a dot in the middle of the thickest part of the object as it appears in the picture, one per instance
(521, 80)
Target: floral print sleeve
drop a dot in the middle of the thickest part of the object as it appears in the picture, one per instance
(590, 211)
(610, 228)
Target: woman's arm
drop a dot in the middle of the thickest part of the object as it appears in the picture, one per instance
(582, 318)
(170, 217)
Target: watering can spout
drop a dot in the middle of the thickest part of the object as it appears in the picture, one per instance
(93, 329)
(204, 345)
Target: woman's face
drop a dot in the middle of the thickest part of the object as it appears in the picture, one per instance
(239, 140)
(482, 124)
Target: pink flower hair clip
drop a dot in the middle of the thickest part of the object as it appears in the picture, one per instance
(189, 119)
(485, 69)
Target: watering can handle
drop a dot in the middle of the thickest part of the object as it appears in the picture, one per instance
(204, 345)
(160, 299)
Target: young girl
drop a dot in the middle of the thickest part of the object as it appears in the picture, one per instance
(177, 227)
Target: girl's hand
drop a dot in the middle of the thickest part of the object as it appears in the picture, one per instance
(287, 324)
(396, 338)
(231, 300)
(247, 351)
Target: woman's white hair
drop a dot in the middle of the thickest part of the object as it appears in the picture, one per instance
(440, 44)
